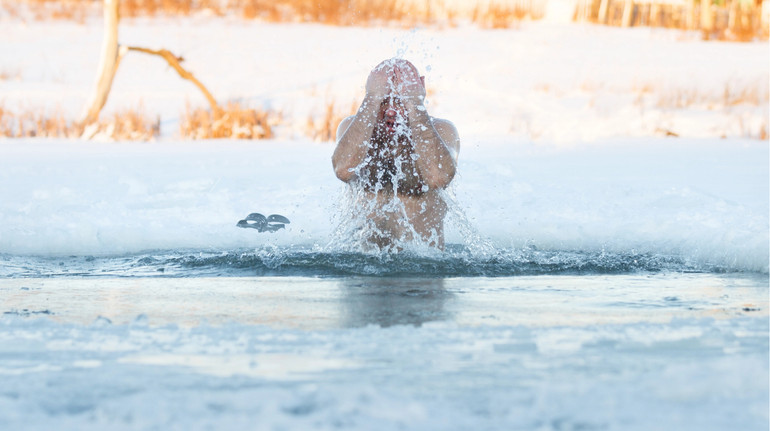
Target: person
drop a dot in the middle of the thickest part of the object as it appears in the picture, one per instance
(397, 158)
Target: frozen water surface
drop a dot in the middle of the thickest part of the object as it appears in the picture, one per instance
(623, 351)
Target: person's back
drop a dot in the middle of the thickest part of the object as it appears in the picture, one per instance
(398, 158)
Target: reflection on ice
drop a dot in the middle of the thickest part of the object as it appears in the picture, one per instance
(386, 353)
(386, 302)
(347, 302)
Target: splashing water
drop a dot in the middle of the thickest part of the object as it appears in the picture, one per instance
(391, 205)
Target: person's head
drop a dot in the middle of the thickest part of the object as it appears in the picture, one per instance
(392, 119)
(404, 68)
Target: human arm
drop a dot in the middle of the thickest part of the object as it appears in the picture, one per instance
(436, 142)
(354, 133)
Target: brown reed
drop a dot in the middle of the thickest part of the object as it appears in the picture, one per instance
(28, 124)
(233, 122)
(323, 128)
(333, 12)
(733, 20)
(733, 94)
(128, 124)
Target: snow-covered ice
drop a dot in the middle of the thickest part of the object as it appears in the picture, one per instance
(704, 200)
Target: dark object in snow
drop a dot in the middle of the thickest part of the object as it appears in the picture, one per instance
(257, 221)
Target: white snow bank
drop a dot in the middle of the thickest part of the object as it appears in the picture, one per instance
(700, 199)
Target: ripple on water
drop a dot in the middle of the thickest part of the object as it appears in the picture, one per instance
(456, 261)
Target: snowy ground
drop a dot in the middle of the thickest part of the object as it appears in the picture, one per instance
(703, 200)
(547, 82)
(563, 155)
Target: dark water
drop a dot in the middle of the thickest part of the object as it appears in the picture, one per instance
(456, 261)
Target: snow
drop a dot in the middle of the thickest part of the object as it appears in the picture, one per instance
(548, 82)
(561, 126)
(705, 200)
(563, 150)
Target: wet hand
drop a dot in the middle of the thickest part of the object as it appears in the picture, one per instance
(381, 81)
(409, 85)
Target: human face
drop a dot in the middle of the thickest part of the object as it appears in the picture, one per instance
(392, 117)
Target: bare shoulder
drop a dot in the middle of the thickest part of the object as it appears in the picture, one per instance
(344, 124)
(448, 133)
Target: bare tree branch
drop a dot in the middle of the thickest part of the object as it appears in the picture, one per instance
(111, 55)
(174, 62)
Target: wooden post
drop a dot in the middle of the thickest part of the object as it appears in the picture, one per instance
(108, 64)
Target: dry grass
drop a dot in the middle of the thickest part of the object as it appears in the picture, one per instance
(738, 20)
(323, 11)
(734, 102)
(7, 75)
(751, 129)
(750, 95)
(71, 10)
(734, 20)
(136, 8)
(28, 124)
(126, 125)
(491, 14)
(496, 15)
(323, 128)
(234, 122)
(755, 94)
(130, 124)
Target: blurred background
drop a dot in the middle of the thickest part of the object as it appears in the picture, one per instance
(565, 71)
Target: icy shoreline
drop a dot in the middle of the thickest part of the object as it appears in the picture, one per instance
(700, 200)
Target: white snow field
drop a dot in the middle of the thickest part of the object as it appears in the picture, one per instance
(600, 275)
(546, 82)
